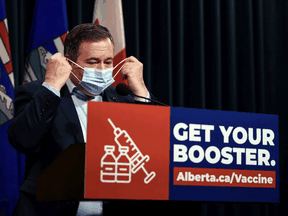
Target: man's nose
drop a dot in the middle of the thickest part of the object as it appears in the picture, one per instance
(101, 66)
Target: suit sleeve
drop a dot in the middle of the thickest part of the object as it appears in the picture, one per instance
(35, 108)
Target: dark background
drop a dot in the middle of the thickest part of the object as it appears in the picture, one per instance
(212, 54)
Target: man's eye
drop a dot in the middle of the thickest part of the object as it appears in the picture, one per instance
(110, 62)
(91, 63)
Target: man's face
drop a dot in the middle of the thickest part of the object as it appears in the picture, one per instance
(94, 54)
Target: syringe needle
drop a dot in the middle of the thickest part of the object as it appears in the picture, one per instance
(114, 127)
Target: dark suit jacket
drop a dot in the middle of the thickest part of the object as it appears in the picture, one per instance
(44, 125)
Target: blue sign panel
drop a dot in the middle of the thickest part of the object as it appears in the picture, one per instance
(223, 156)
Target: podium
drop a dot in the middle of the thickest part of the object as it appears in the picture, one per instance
(140, 152)
(63, 179)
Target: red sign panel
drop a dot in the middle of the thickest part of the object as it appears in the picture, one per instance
(127, 151)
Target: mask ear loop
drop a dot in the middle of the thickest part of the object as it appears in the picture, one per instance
(72, 71)
(74, 63)
(120, 67)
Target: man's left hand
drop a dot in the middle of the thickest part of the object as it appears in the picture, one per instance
(133, 71)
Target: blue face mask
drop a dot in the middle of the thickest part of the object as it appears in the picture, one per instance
(95, 81)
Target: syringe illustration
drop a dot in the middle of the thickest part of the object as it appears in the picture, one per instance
(122, 138)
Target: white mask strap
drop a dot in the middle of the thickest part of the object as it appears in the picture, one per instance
(120, 68)
(79, 81)
(75, 77)
(74, 62)
(72, 71)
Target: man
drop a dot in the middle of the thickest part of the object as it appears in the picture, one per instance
(51, 115)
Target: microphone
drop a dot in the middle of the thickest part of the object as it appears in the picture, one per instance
(124, 90)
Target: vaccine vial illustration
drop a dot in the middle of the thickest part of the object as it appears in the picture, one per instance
(108, 165)
(123, 166)
(137, 159)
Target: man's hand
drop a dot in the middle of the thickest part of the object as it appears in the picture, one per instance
(133, 70)
(58, 71)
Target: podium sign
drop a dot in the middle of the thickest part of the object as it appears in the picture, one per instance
(166, 153)
(127, 151)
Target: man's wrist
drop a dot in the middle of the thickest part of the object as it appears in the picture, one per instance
(51, 88)
(142, 99)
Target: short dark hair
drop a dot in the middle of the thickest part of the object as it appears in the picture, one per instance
(81, 33)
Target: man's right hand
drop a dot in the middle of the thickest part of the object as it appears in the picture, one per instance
(58, 71)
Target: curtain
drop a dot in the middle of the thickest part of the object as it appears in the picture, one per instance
(210, 54)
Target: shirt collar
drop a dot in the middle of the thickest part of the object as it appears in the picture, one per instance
(70, 85)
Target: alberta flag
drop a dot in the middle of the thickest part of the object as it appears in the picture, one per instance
(47, 35)
(11, 162)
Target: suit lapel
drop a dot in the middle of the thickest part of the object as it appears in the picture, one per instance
(110, 95)
(68, 108)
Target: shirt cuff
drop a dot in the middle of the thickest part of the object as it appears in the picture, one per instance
(144, 100)
(51, 88)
